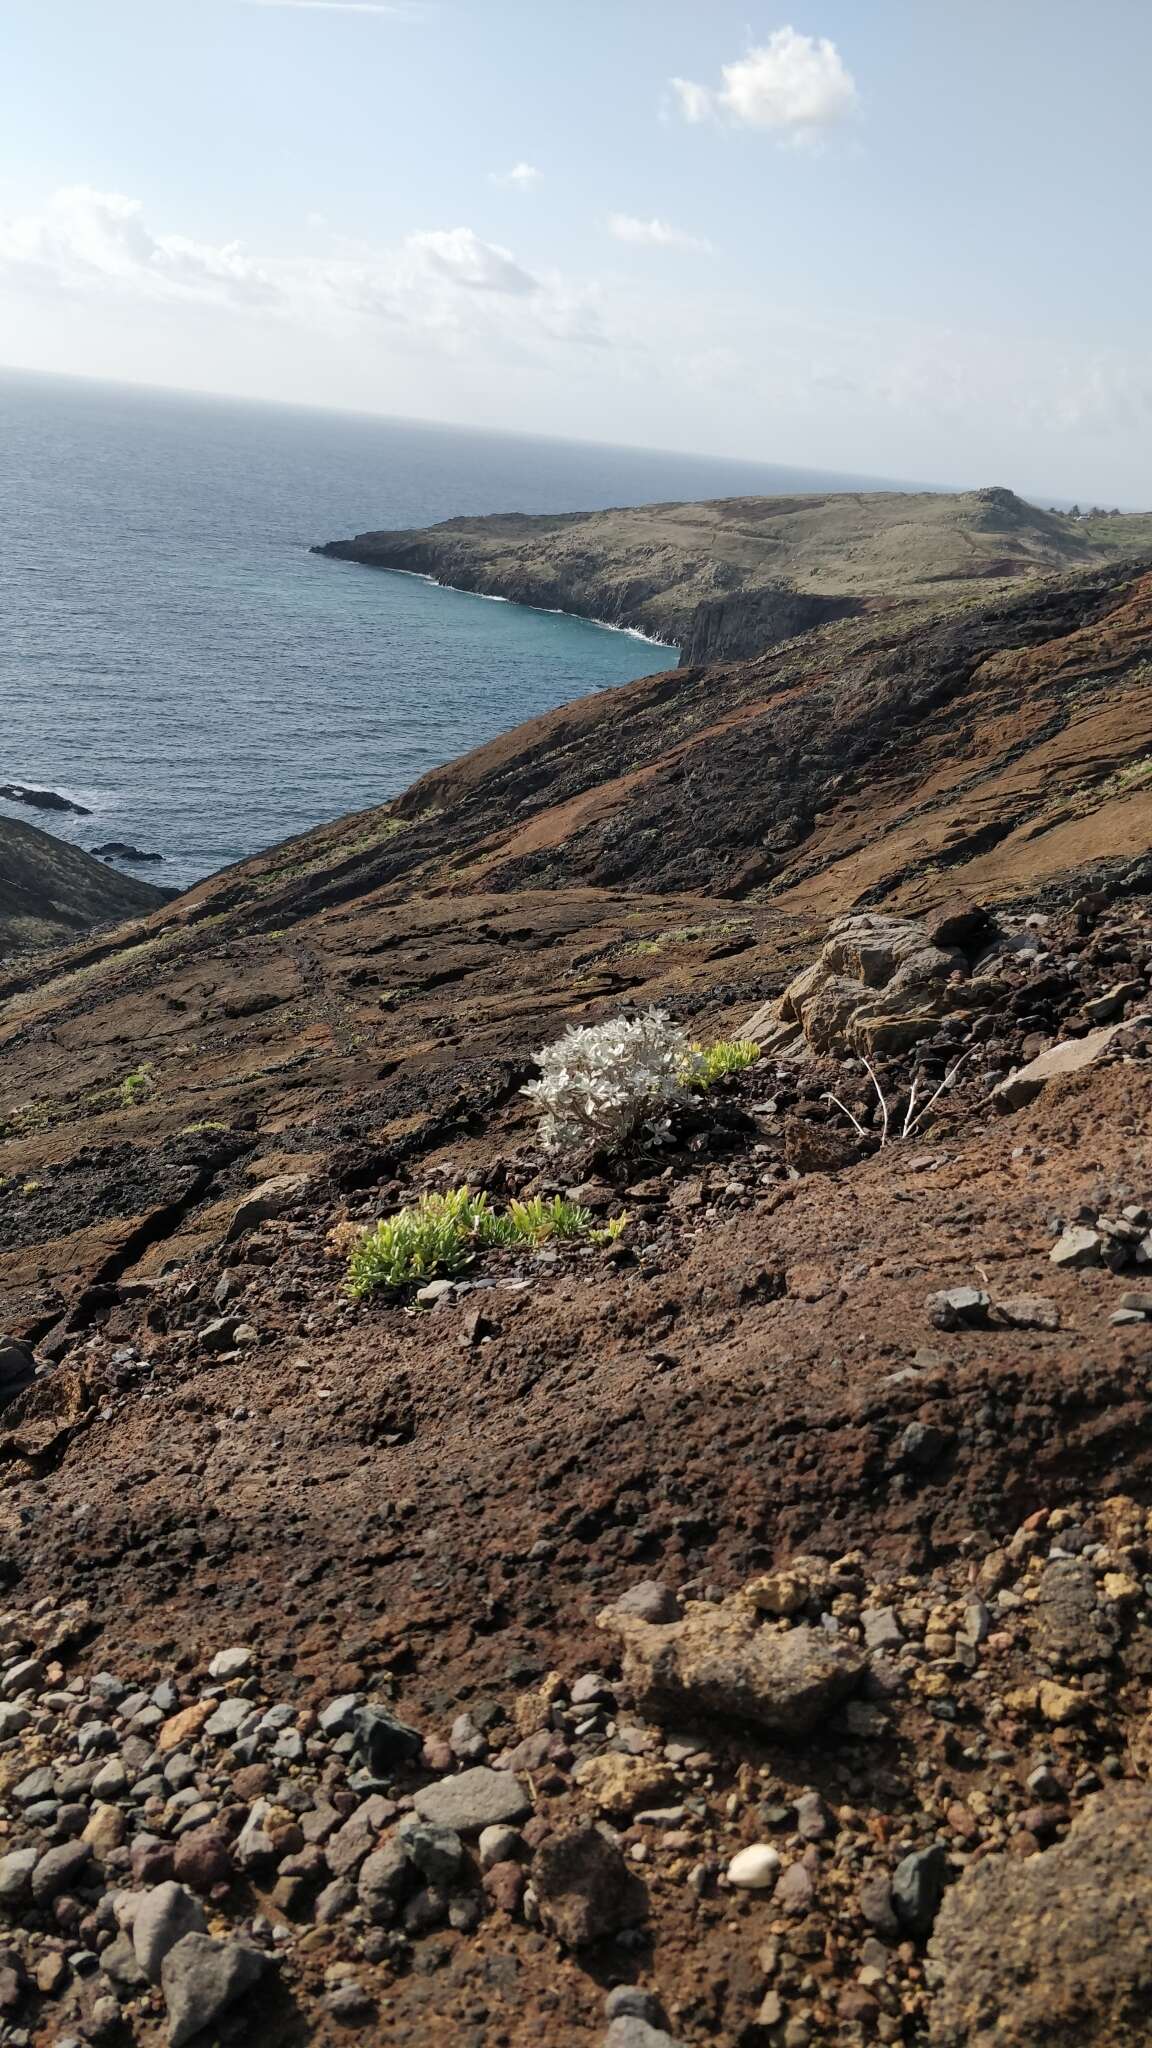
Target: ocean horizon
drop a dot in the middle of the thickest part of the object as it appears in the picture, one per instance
(174, 658)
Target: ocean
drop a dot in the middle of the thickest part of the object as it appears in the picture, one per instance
(173, 657)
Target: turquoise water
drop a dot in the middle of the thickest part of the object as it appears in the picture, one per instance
(173, 656)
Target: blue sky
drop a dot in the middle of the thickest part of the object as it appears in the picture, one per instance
(904, 237)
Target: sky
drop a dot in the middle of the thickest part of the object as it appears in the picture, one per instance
(899, 237)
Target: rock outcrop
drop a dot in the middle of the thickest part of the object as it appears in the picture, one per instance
(726, 1661)
(52, 892)
(1055, 1952)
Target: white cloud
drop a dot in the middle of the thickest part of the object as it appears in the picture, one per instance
(461, 255)
(84, 239)
(448, 285)
(520, 178)
(654, 234)
(793, 84)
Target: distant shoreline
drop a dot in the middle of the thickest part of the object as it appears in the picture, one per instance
(548, 611)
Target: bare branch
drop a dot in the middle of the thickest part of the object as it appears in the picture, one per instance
(880, 1097)
(947, 1082)
(845, 1111)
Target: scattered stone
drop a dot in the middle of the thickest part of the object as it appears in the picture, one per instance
(1028, 1312)
(58, 1870)
(475, 1799)
(918, 1887)
(163, 1917)
(584, 1888)
(1078, 1246)
(202, 1978)
(16, 1875)
(620, 1784)
(955, 1308)
(235, 1663)
(650, 1601)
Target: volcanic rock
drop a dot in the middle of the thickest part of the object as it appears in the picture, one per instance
(723, 1660)
(1055, 1952)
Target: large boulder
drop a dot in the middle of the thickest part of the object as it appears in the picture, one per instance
(726, 1660)
(1055, 1952)
(880, 984)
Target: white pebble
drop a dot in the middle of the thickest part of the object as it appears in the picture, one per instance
(235, 1663)
(755, 1868)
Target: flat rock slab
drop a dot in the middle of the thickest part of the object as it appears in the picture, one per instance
(474, 1799)
(723, 1660)
(1054, 1952)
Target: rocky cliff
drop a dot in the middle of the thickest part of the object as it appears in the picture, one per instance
(724, 580)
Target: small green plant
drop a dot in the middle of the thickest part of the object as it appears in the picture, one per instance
(611, 1231)
(727, 1056)
(195, 1130)
(136, 1087)
(440, 1235)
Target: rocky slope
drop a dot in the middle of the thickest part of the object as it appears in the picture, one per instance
(738, 1634)
(728, 579)
(50, 891)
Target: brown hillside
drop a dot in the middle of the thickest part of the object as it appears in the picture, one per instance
(875, 1417)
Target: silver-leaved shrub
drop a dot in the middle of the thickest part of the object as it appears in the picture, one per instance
(603, 1086)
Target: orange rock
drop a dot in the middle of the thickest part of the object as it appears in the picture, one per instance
(186, 1725)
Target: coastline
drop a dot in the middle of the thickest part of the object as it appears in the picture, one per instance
(548, 611)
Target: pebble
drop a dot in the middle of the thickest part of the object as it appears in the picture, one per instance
(754, 1869)
(234, 1663)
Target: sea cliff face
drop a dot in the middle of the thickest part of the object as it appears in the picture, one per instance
(725, 580)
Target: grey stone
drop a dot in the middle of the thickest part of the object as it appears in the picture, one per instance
(13, 1720)
(58, 1870)
(650, 1602)
(201, 1978)
(499, 1845)
(229, 1718)
(26, 1676)
(918, 1887)
(1028, 1312)
(954, 1307)
(1054, 1951)
(882, 1631)
(16, 1875)
(1069, 1057)
(96, 1738)
(234, 1663)
(1077, 1246)
(629, 2031)
(388, 1873)
(346, 1850)
(119, 1962)
(923, 1444)
(163, 1917)
(437, 1852)
(111, 1780)
(334, 1901)
(39, 1784)
(339, 1716)
(383, 1741)
(629, 2001)
(477, 1798)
